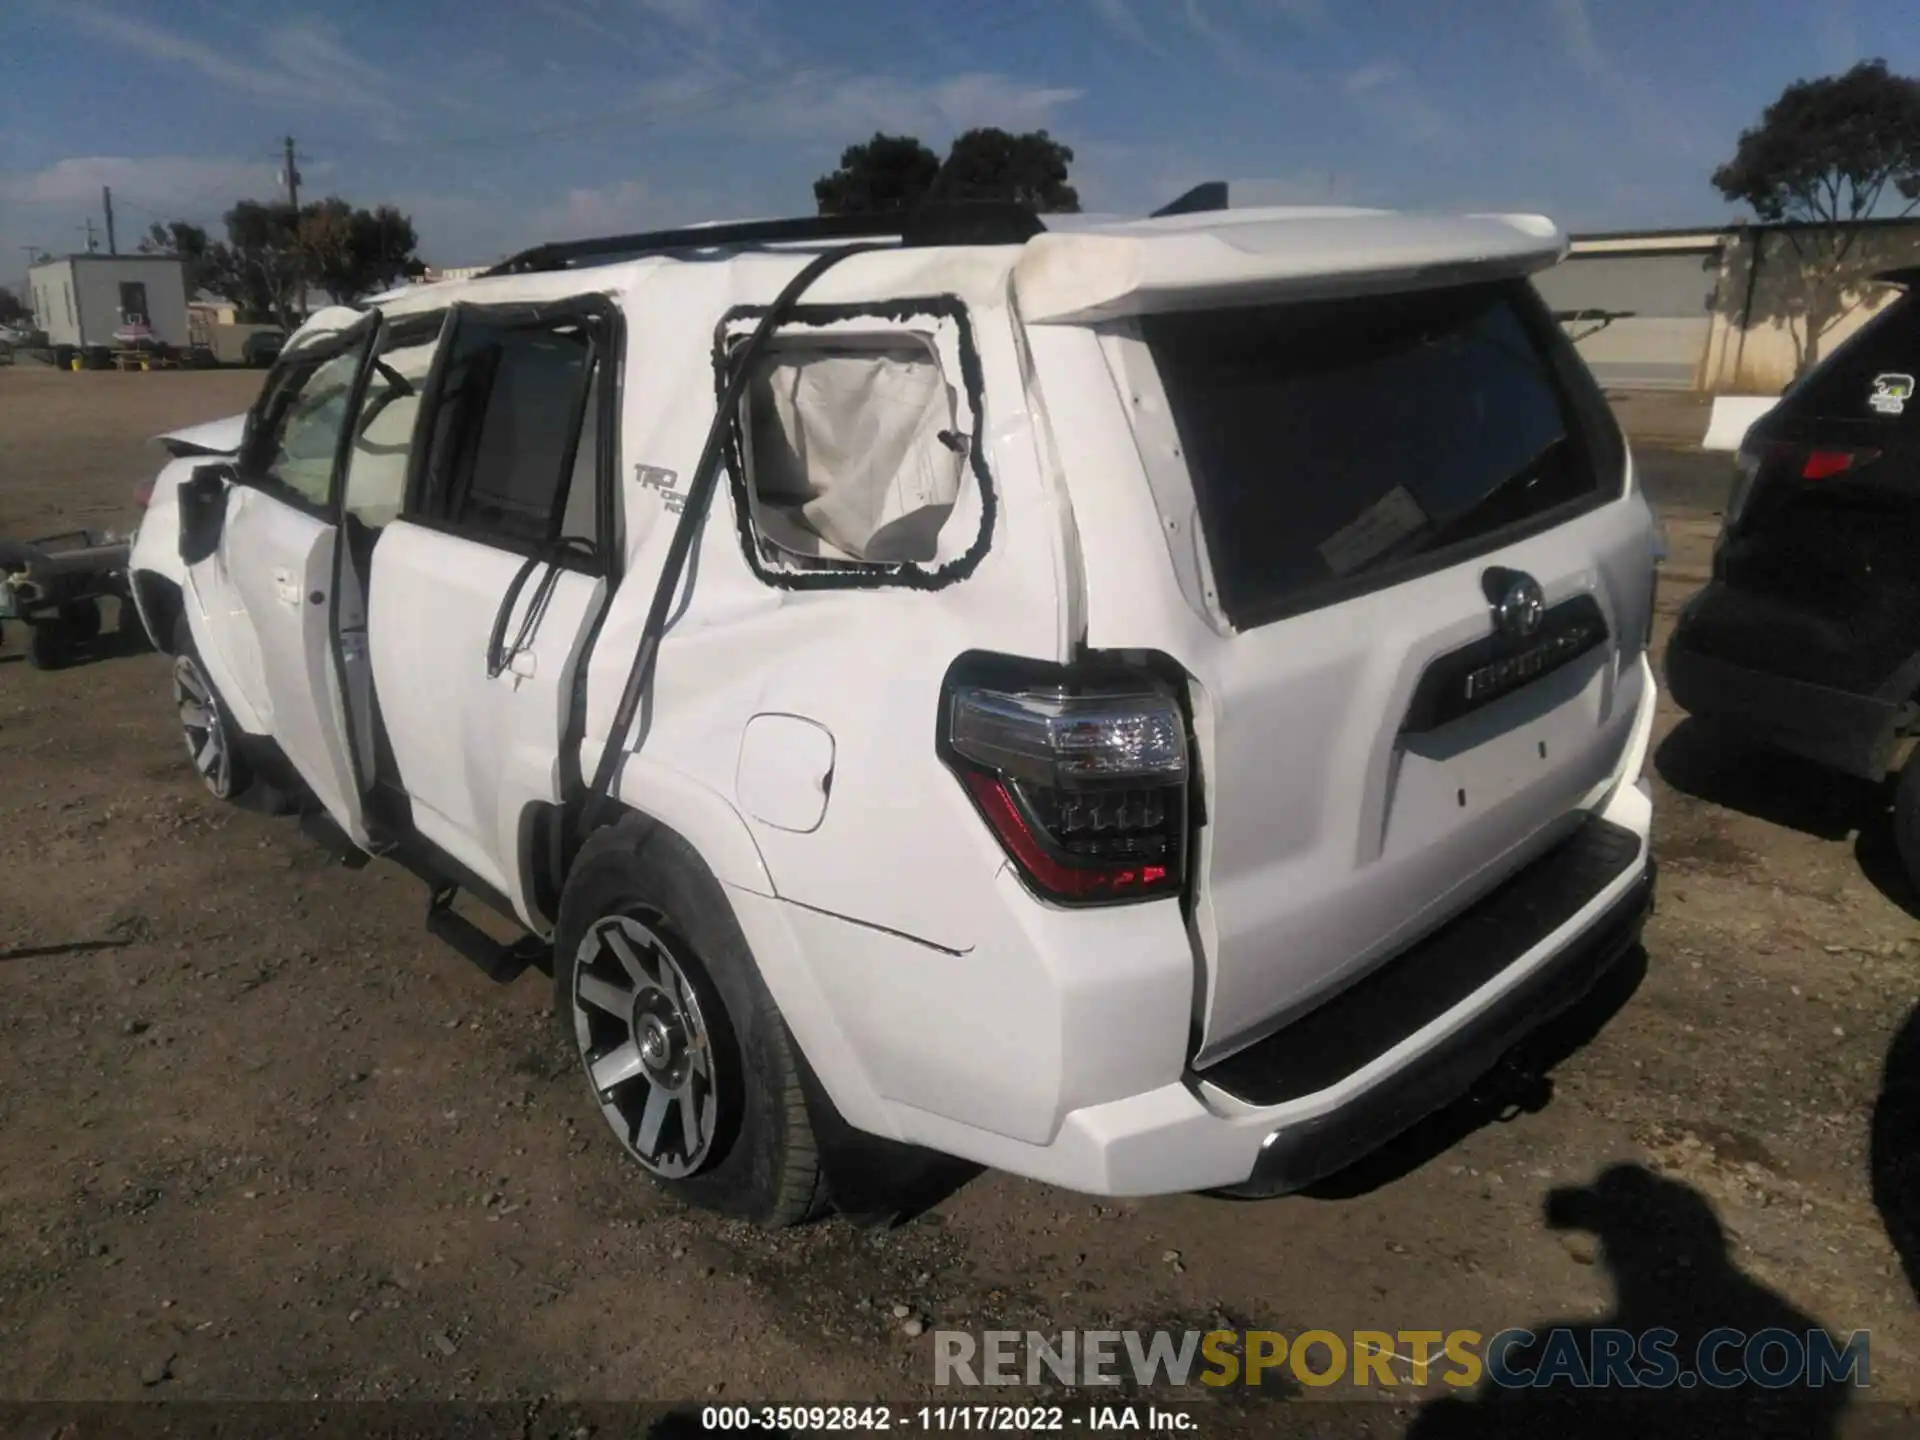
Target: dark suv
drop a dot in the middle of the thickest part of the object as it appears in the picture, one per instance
(1807, 638)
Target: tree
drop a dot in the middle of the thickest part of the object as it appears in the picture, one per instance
(260, 265)
(12, 310)
(1826, 153)
(189, 242)
(990, 164)
(269, 251)
(352, 253)
(888, 172)
(897, 172)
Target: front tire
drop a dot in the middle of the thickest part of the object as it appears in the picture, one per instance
(212, 739)
(684, 1050)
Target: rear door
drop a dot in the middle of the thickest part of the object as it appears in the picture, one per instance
(1412, 616)
(278, 552)
(485, 590)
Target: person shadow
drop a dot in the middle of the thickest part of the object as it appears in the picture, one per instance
(1894, 1147)
(1669, 1260)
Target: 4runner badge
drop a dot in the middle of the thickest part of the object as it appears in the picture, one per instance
(1891, 394)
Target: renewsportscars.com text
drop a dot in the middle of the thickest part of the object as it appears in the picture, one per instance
(1599, 1358)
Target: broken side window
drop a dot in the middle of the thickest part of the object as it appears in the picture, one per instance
(854, 451)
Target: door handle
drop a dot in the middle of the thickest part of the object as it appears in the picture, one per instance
(286, 587)
(522, 664)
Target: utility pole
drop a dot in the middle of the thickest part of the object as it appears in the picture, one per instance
(293, 200)
(92, 244)
(106, 202)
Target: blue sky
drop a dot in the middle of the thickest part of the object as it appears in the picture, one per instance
(497, 123)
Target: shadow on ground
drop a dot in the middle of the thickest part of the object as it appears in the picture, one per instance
(1521, 1084)
(1703, 762)
(1669, 1261)
(1894, 1149)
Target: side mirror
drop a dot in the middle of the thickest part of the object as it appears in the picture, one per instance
(203, 512)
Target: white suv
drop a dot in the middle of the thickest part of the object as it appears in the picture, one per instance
(1148, 705)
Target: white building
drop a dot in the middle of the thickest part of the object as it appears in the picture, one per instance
(82, 300)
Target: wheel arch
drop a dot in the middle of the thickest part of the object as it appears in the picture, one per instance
(707, 823)
(159, 603)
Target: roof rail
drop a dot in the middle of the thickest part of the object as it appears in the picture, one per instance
(962, 223)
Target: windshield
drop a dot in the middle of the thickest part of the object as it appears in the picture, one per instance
(1337, 444)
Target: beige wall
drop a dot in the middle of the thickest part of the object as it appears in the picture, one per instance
(1795, 319)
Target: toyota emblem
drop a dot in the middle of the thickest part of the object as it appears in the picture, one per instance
(1518, 606)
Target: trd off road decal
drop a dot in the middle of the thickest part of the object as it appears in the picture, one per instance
(1891, 394)
(652, 477)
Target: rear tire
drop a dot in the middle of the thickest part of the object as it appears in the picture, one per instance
(1906, 817)
(685, 1052)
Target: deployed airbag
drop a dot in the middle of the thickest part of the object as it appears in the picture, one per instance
(853, 452)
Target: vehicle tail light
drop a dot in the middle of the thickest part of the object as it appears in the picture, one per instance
(1782, 460)
(1825, 464)
(143, 493)
(1082, 780)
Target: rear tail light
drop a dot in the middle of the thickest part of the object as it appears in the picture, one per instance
(1780, 460)
(1825, 464)
(1083, 780)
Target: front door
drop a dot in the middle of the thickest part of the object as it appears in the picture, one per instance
(286, 581)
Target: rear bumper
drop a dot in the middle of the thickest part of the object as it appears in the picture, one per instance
(1196, 1134)
(1303, 1154)
(1855, 734)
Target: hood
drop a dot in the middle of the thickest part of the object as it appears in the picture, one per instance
(216, 437)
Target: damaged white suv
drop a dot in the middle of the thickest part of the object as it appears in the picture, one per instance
(1148, 705)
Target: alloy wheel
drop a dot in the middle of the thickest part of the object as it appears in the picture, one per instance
(200, 723)
(646, 1047)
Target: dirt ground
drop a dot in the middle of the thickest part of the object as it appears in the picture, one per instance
(261, 1137)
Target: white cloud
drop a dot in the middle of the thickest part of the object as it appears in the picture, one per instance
(1233, 52)
(1578, 40)
(1119, 17)
(811, 105)
(1308, 14)
(620, 208)
(1647, 115)
(297, 64)
(1373, 76)
(167, 185)
(1383, 92)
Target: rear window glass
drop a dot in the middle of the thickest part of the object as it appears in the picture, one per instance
(1872, 375)
(1335, 445)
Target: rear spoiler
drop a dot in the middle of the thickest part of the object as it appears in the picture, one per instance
(1204, 258)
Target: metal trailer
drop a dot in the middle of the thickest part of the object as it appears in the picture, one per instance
(55, 585)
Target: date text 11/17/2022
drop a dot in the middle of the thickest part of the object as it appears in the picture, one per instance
(947, 1419)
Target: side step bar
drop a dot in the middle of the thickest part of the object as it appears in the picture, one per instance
(500, 963)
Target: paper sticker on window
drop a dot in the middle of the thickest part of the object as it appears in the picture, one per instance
(1891, 394)
(1381, 526)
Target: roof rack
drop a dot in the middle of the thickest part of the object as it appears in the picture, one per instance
(1207, 196)
(961, 223)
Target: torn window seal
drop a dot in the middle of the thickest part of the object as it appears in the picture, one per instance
(827, 572)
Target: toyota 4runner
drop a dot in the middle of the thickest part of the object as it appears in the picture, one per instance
(1148, 705)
